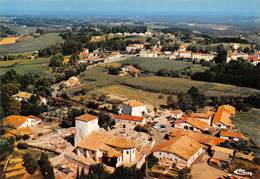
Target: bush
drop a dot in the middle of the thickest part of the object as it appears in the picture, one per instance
(140, 128)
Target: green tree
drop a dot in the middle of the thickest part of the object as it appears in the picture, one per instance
(45, 167)
(221, 55)
(29, 163)
(56, 60)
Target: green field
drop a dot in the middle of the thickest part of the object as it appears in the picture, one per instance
(32, 44)
(97, 77)
(249, 124)
(152, 65)
(37, 66)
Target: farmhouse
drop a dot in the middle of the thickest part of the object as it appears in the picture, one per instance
(115, 55)
(84, 54)
(255, 59)
(72, 81)
(177, 114)
(203, 117)
(204, 139)
(192, 124)
(133, 108)
(22, 96)
(228, 135)
(148, 54)
(101, 146)
(185, 54)
(222, 157)
(222, 118)
(182, 151)
(134, 47)
(235, 56)
(18, 122)
(202, 56)
(127, 121)
(131, 70)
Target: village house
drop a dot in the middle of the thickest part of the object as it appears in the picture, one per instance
(22, 96)
(228, 135)
(115, 55)
(18, 122)
(255, 59)
(222, 118)
(127, 121)
(18, 132)
(206, 140)
(133, 108)
(25, 96)
(84, 54)
(222, 157)
(176, 114)
(72, 81)
(236, 55)
(148, 54)
(185, 54)
(202, 56)
(100, 146)
(192, 124)
(182, 151)
(203, 117)
(131, 70)
(134, 48)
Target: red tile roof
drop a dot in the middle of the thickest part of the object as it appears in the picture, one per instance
(230, 134)
(86, 117)
(129, 118)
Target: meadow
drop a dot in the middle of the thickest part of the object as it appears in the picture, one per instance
(31, 44)
(152, 65)
(36, 66)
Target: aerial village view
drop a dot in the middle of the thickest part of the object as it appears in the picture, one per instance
(107, 89)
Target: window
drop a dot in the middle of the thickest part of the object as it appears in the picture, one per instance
(127, 152)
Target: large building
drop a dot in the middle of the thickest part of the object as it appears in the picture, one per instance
(91, 142)
(133, 108)
(182, 151)
(223, 117)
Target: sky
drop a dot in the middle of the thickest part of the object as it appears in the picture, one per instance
(239, 8)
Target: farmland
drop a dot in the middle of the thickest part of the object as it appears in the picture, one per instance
(249, 124)
(31, 44)
(36, 66)
(152, 65)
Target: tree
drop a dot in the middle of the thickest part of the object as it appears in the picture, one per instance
(114, 70)
(152, 161)
(105, 121)
(221, 55)
(127, 173)
(144, 129)
(39, 31)
(45, 167)
(29, 163)
(96, 172)
(10, 88)
(56, 60)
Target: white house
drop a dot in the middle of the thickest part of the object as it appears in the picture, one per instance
(185, 54)
(177, 114)
(235, 56)
(133, 108)
(134, 47)
(102, 146)
(182, 151)
(127, 121)
(228, 135)
(202, 56)
(18, 122)
(148, 54)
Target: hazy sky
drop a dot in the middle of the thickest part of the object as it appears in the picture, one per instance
(240, 8)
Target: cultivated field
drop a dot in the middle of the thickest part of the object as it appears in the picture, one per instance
(132, 93)
(31, 44)
(152, 65)
(8, 40)
(249, 124)
(36, 66)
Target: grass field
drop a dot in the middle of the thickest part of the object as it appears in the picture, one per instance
(36, 66)
(249, 124)
(99, 78)
(152, 65)
(32, 44)
(132, 93)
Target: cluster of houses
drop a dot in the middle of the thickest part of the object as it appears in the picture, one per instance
(193, 135)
